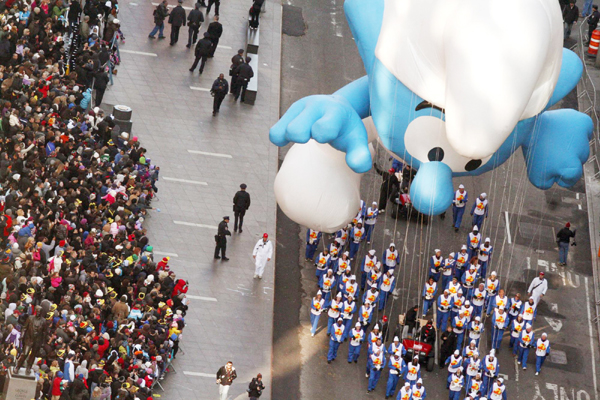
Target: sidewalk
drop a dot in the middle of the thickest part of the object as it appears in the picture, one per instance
(588, 91)
(203, 160)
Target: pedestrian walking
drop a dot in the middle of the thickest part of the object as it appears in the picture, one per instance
(570, 16)
(241, 203)
(335, 340)
(371, 220)
(397, 368)
(312, 241)
(563, 238)
(195, 19)
(479, 211)
(255, 13)
(316, 308)
(235, 62)
(526, 338)
(263, 252)
(221, 239)
(418, 390)
(499, 324)
(176, 19)
(201, 51)
(542, 349)
(219, 91)
(216, 3)
(388, 185)
(215, 30)
(538, 287)
(458, 206)
(244, 73)
(256, 387)
(592, 23)
(378, 362)
(356, 338)
(160, 13)
(498, 391)
(225, 376)
(456, 383)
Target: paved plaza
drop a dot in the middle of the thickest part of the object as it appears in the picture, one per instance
(203, 160)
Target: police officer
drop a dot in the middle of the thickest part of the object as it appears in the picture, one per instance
(221, 239)
(243, 74)
(241, 203)
(235, 62)
(195, 19)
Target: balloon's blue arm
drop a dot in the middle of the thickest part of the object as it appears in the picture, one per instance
(558, 144)
(337, 119)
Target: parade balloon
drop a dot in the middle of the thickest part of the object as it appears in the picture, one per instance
(453, 87)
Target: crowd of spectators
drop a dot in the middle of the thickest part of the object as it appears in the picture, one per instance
(84, 305)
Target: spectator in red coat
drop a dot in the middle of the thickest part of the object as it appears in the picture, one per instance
(56, 386)
(180, 287)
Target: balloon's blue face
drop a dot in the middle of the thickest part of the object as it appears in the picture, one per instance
(412, 128)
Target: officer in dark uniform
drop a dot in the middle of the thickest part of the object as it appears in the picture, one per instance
(235, 62)
(241, 202)
(221, 239)
(244, 73)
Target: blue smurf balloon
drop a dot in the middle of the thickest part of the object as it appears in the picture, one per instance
(454, 88)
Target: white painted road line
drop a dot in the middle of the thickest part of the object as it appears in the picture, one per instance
(190, 296)
(202, 374)
(220, 46)
(166, 178)
(164, 253)
(196, 225)
(199, 88)
(507, 227)
(141, 53)
(205, 153)
(171, 6)
(579, 205)
(592, 350)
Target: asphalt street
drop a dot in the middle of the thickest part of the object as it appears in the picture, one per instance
(522, 225)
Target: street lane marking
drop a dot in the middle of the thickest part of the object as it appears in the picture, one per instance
(577, 195)
(579, 205)
(196, 225)
(199, 88)
(206, 153)
(141, 53)
(220, 46)
(516, 370)
(589, 312)
(202, 374)
(164, 253)
(190, 296)
(555, 324)
(507, 227)
(166, 178)
(171, 6)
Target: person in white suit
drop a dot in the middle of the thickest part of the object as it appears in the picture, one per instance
(263, 251)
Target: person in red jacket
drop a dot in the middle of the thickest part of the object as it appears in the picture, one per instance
(163, 264)
(180, 287)
(56, 386)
